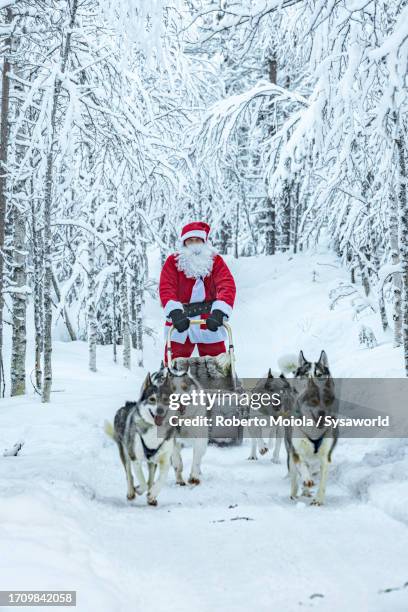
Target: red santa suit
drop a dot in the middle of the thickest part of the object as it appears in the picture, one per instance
(206, 279)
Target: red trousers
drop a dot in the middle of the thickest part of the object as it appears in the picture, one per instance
(185, 350)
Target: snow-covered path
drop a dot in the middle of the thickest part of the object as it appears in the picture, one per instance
(236, 542)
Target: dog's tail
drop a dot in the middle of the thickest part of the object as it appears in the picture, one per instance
(288, 363)
(109, 430)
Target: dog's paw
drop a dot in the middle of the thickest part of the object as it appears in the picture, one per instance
(140, 490)
(316, 502)
(152, 501)
(193, 480)
(131, 495)
(308, 483)
(263, 450)
(294, 497)
(252, 458)
(181, 483)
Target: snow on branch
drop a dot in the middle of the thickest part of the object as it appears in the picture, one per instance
(397, 38)
(222, 118)
(7, 3)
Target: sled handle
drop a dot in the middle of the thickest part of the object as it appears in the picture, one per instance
(201, 322)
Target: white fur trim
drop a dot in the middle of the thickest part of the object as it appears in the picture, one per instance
(194, 234)
(220, 305)
(172, 305)
(175, 335)
(196, 334)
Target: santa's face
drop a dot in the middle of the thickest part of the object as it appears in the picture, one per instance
(195, 258)
(193, 240)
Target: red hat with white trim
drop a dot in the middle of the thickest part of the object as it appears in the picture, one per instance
(196, 229)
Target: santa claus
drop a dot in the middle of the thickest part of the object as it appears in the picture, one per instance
(196, 282)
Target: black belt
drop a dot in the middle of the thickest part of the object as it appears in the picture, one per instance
(193, 309)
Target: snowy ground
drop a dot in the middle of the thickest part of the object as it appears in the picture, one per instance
(236, 542)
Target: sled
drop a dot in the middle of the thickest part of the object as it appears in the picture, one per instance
(214, 374)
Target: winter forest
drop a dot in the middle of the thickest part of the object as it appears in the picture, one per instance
(274, 120)
(127, 127)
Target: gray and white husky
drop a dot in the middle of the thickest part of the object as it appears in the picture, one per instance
(314, 439)
(271, 385)
(317, 369)
(143, 435)
(186, 435)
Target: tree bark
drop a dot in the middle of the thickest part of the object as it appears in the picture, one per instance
(124, 298)
(38, 295)
(4, 141)
(296, 217)
(236, 229)
(286, 216)
(92, 325)
(396, 280)
(114, 317)
(19, 340)
(48, 195)
(403, 237)
(269, 221)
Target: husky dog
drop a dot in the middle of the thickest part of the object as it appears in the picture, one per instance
(287, 395)
(313, 441)
(136, 433)
(318, 369)
(186, 435)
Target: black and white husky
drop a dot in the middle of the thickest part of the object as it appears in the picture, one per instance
(314, 439)
(317, 369)
(143, 435)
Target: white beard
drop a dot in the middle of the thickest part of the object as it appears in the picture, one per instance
(196, 260)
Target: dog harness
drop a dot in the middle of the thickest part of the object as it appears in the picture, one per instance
(149, 452)
(316, 443)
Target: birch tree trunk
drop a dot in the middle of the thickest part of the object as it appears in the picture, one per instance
(19, 341)
(115, 317)
(92, 327)
(38, 295)
(270, 227)
(47, 337)
(19, 189)
(236, 224)
(225, 232)
(376, 264)
(4, 137)
(124, 298)
(396, 280)
(296, 216)
(285, 216)
(403, 237)
(48, 193)
(269, 220)
(163, 250)
(138, 276)
(137, 308)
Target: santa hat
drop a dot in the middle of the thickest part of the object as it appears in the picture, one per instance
(197, 229)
